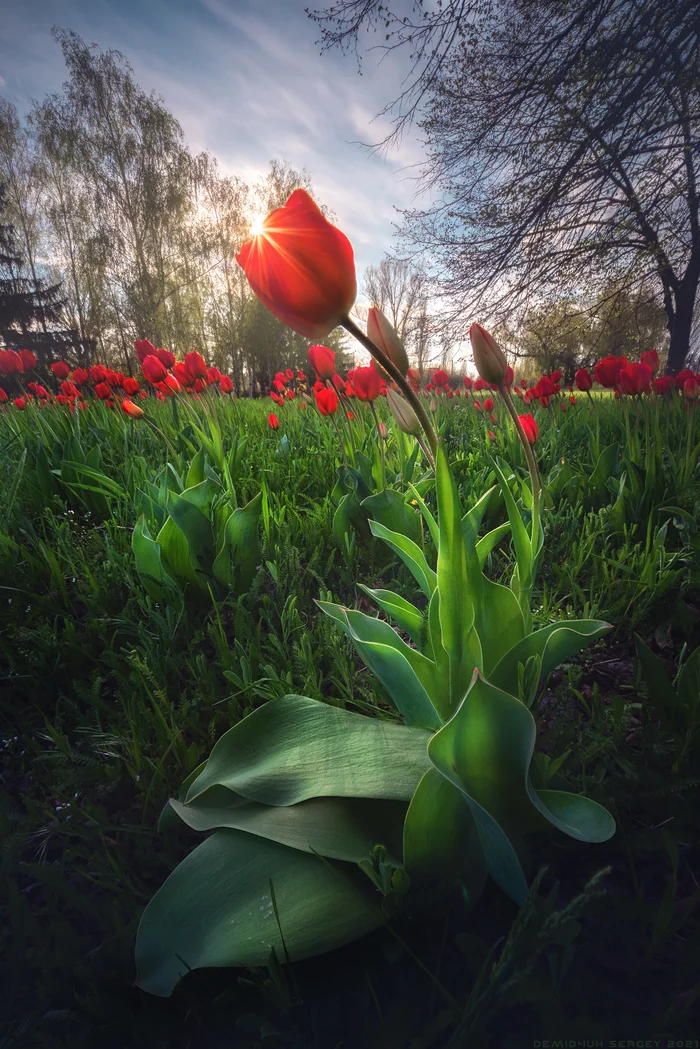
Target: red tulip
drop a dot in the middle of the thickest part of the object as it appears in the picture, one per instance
(97, 373)
(572, 399)
(153, 370)
(273, 421)
(607, 371)
(194, 362)
(60, 369)
(544, 387)
(651, 359)
(130, 386)
(488, 355)
(691, 389)
(440, 378)
(488, 404)
(3, 396)
(28, 360)
(300, 376)
(635, 378)
(199, 386)
(302, 268)
(166, 358)
(21, 403)
(530, 427)
(563, 405)
(663, 384)
(477, 405)
(144, 349)
(555, 376)
(680, 379)
(226, 384)
(523, 383)
(468, 382)
(103, 391)
(182, 374)
(338, 383)
(583, 380)
(491, 435)
(10, 363)
(171, 384)
(213, 375)
(366, 383)
(327, 401)
(322, 361)
(80, 376)
(132, 409)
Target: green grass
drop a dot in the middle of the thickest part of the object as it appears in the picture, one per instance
(109, 699)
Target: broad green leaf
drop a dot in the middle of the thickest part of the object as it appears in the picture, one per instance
(296, 748)
(521, 540)
(148, 561)
(490, 541)
(216, 909)
(195, 474)
(499, 622)
(197, 531)
(389, 508)
(404, 614)
(239, 554)
(340, 828)
(555, 644)
(411, 555)
(427, 515)
(440, 841)
(471, 522)
(408, 676)
(485, 750)
(175, 553)
(349, 516)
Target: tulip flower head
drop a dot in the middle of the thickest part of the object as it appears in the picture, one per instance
(144, 349)
(21, 403)
(130, 386)
(132, 409)
(651, 359)
(322, 360)
(691, 390)
(583, 380)
(488, 356)
(327, 401)
(488, 404)
(384, 336)
(607, 371)
(10, 363)
(366, 383)
(153, 370)
(28, 360)
(635, 378)
(530, 428)
(273, 421)
(60, 369)
(406, 418)
(301, 267)
(226, 384)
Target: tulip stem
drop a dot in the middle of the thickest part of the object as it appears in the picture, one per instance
(400, 380)
(531, 462)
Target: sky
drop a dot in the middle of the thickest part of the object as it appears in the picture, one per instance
(246, 80)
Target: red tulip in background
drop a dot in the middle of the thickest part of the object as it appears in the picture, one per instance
(651, 358)
(273, 421)
(583, 380)
(10, 363)
(440, 378)
(555, 376)
(530, 427)
(21, 403)
(322, 360)
(103, 391)
(326, 401)
(166, 358)
(680, 379)
(194, 362)
(80, 376)
(635, 378)
(367, 383)
(468, 382)
(664, 384)
(3, 396)
(153, 370)
(144, 349)
(544, 388)
(488, 404)
(338, 383)
(183, 375)
(130, 386)
(691, 389)
(607, 371)
(226, 384)
(132, 409)
(301, 267)
(572, 399)
(60, 369)
(28, 360)
(213, 375)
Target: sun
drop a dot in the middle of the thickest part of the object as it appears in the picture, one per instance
(256, 226)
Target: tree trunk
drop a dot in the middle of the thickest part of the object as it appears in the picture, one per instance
(682, 325)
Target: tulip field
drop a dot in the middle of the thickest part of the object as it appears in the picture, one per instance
(366, 713)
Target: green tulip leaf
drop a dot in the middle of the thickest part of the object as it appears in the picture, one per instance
(411, 555)
(404, 614)
(554, 643)
(216, 909)
(297, 748)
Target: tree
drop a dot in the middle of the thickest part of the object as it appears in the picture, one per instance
(29, 307)
(400, 292)
(562, 141)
